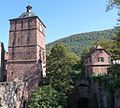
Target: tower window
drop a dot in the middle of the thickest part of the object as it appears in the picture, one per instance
(28, 40)
(100, 59)
(11, 73)
(18, 41)
(21, 24)
(13, 42)
(28, 23)
(13, 54)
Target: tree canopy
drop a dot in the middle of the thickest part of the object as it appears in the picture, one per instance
(60, 67)
(44, 97)
(113, 3)
(61, 72)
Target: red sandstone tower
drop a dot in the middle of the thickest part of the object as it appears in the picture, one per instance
(27, 55)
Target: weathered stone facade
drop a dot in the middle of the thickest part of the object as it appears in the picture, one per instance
(12, 94)
(26, 46)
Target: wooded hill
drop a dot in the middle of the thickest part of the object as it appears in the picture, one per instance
(78, 42)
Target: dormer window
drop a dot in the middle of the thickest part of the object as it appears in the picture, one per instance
(100, 59)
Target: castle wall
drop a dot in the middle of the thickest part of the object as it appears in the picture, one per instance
(12, 94)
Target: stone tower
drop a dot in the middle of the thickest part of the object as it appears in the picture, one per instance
(27, 55)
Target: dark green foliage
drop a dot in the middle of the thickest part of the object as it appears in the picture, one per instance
(94, 101)
(115, 54)
(79, 42)
(60, 68)
(110, 82)
(45, 97)
(114, 70)
(115, 48)
(85, 51)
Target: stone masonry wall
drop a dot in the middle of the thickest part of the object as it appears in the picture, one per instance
(12, 94)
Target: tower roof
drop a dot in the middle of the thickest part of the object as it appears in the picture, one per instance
(97, 47)
(28, 12)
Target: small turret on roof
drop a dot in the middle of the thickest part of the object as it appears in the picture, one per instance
(28, 12)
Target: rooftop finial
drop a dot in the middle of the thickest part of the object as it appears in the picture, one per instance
(29, 8)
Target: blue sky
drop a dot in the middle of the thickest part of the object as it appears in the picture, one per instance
(61, 17)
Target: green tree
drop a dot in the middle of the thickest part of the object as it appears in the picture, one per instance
(112, 3)
(83, 55)
(115, 48)
(115, 54)
(60, 69)
(105, 43)
(114, 70)
(60, 65)
(45, 97)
